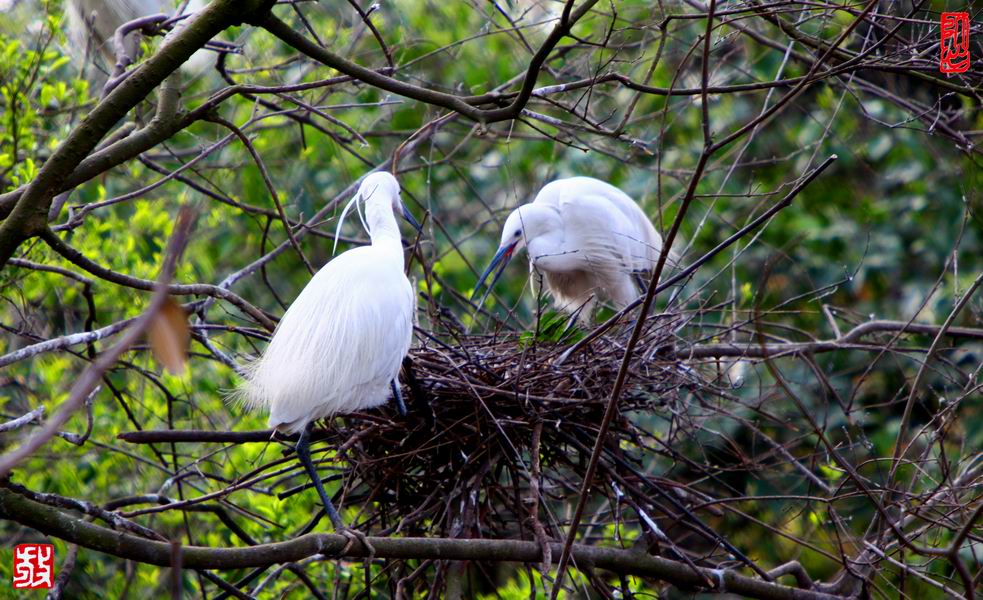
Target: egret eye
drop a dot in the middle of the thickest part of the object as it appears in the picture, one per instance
(518, 232)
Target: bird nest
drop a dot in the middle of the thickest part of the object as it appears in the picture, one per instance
(499, 432)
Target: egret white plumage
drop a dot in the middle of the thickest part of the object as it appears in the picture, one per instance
(586, 237)
(339, 347)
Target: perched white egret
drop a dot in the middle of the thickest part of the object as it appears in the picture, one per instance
(587, 238)
(339, 346)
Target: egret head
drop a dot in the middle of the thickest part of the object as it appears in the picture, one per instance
(381, 182)
(524, 224)
(377, 189)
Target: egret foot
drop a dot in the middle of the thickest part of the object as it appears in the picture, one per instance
(354, 535)
(304, 454)
(398, 396)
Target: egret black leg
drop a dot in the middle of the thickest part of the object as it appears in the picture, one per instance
(641, 283)
(304, 454)
(398, 396)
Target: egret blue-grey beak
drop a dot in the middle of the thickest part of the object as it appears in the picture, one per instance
(411, 220)
(500, 260)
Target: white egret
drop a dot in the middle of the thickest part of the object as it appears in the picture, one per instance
(339, 347)
(586, 237)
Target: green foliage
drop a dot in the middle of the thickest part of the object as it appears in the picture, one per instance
(552, 328)
(30, 94)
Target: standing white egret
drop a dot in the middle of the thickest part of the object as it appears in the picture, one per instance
(586, 237)
(339, 346)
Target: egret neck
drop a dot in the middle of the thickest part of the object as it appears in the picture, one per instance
(382, 226)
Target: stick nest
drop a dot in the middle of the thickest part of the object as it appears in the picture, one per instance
(499, 431)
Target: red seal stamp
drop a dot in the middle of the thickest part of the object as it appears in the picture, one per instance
(954, 49)
(34, 566)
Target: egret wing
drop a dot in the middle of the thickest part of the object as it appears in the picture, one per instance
(645, 243)
(340, 343)
(599, 234)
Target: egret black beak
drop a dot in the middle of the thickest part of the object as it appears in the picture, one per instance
(500, 260)
(411, 220)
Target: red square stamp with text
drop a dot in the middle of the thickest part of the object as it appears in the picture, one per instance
(34, 566)
(954, 49)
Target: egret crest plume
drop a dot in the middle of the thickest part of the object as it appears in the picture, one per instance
(344, 213)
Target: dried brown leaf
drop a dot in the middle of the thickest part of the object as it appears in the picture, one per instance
(169, 336)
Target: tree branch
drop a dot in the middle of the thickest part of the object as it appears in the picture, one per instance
(452, 102)
(177, 289)
(29, 216)
(58, 524)
(90, 378)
